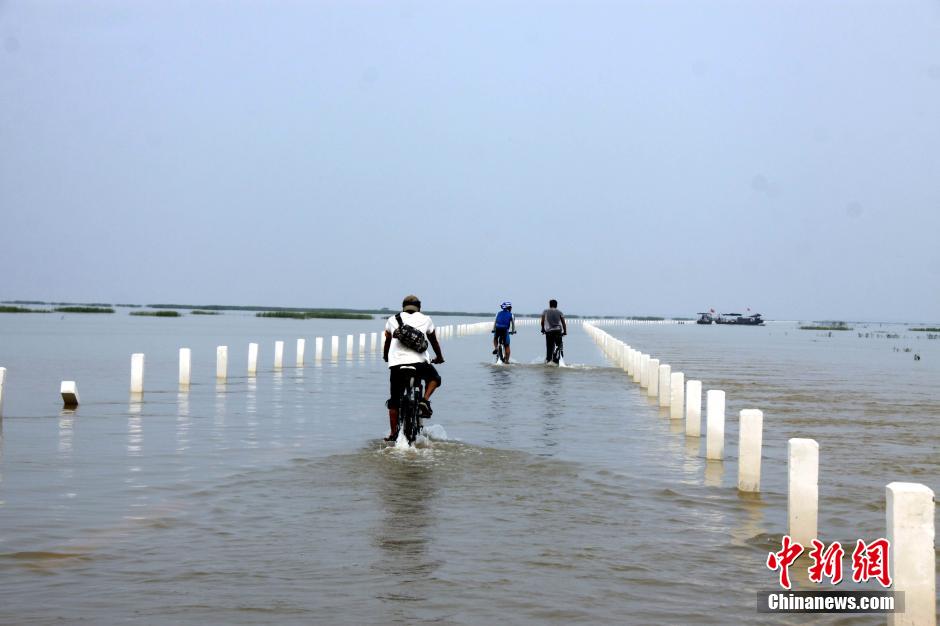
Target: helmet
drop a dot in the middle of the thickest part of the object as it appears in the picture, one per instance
(506, 305)
(411, 304)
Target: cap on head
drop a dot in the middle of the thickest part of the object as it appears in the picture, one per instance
(506, 305)
(411, 304)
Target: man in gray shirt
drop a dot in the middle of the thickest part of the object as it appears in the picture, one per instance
(554, 328)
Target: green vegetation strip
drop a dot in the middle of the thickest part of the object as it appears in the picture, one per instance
(156, 313)
(20, 309)
(306, 315)
(201, 312)
(834, 326)
(927, 330)
(83, 309)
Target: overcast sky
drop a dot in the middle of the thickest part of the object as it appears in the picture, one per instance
(649, 157)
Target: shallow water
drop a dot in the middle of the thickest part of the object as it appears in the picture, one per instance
(544, 494)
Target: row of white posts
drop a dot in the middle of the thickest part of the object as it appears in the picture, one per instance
(367, 343)
(910, 506)
(373, 342)
(629, 322)
(474, 329)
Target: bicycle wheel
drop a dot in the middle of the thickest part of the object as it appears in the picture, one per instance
(410, 417)
(500, 350)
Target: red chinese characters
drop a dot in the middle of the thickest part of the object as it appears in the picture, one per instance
(871, 561)
(782, 560)
(826, 563)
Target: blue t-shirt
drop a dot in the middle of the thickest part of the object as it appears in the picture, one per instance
(503, 318)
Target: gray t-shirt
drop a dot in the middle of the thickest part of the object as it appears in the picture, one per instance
(552, 319)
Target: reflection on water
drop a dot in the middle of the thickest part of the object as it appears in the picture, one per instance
(750, 523)
(1, 461)
(550, 407)
(251, 411)
(277, 406)
(714, 470)
(66, 423)
(135, 434)
(691, 461)
(183, 422)
(405, 492)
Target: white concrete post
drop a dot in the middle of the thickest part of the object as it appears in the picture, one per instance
(362, 343)
(624, 356)
(630, 354)
(802, 489)
(334, 347)
(349, 346)
(652, 375)
(665, 385)
(644, 371)
(693, 408)
(137, 373)
(912, 563)
(373, 341)
(751, 423)
(252, 359)
(278, 355)
(69, 391)
(715, 424)
(301, 345)
(221, 362)
(3, 375)
(318, 348)
(186, 366)
(677, 401)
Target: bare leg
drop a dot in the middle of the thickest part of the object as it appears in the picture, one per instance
(508, 351)
(392, 421)
(429, 390)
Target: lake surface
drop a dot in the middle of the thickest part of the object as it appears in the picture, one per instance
(545, 495)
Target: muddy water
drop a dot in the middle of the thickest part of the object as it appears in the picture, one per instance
(543, 495)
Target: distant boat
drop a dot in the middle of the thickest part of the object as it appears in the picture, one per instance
(736, 319)
(705, 318)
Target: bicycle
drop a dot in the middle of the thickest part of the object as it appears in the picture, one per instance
(558, 352)
(501, 346)
(408, 419)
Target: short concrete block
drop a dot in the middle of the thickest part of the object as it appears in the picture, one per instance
(715, 425)
(749, 449)
(652, 378)
(665, 385)
(911, 531)
(252, 359)
(677, 401)
(802, 489)
(221, 362)
(69, 391)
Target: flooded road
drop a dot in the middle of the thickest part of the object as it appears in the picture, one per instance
(544, 495)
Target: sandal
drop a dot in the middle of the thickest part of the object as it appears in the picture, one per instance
(424, 409)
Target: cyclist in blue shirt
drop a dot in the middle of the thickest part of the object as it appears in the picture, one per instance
(503, 326)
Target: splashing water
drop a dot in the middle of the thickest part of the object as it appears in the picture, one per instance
(428, 434)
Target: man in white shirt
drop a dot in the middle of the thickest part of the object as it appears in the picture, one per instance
(397, 354)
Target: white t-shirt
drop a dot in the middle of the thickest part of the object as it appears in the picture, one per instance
(399, 354)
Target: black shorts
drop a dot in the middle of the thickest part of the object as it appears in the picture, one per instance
(398, 378)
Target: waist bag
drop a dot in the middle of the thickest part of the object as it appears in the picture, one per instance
(409, 336)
